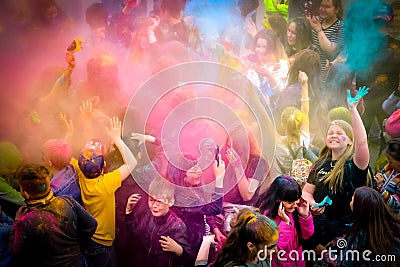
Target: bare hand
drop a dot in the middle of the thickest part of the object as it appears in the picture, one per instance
(86, 108)
(67, 122)
(318, 210)
(170, 245)
(220, 237)
(315, 22)
(282, 214)
(303, 77)
(303, 208)
(251, 27)
(379, 178)
(131, 203)
(115, 130)
(233, 158)
(210, 239)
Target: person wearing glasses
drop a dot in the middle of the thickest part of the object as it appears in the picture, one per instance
(162, 232)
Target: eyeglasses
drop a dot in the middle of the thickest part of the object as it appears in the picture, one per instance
(157, 201)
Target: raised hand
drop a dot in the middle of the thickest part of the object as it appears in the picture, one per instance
(303, 208)
(353, 101)
(86, 108)
(303, 78)
(115, 130)
(131, 203)
(68, 125)
(251, 27)
(282, 214)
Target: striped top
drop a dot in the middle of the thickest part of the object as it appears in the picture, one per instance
(335, 34)
(390, 188)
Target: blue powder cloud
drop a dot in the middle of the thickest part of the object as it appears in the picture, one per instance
(363, 39)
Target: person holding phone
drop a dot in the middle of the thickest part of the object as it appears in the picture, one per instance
(284, 203)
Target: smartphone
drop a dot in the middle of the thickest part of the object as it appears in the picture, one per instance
(216, 155)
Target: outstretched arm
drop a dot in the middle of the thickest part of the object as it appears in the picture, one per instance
(305, 100)
(115, 134)
(247, 186)
(361, 151)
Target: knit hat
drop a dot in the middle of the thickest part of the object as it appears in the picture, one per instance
(393, 124)
(339, 113)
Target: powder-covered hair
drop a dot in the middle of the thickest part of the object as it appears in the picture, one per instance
(250, 227)
(58, 152)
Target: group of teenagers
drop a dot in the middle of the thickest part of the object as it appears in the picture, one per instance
(115, 205)
(69, 216)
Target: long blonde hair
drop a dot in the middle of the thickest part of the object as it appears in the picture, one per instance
(335, 177)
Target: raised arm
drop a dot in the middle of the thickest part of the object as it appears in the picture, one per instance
(115, 134)
(247, 186)
(305, 101)
(361, 151)
(327, 46)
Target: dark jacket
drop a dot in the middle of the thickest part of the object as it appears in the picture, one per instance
(50, 233)
(149, 230)
(192, 212)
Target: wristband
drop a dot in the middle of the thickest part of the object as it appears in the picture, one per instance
(305, 100)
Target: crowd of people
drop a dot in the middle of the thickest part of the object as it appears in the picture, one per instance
(88, 179)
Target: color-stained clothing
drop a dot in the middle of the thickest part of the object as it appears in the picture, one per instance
(289, 240)
(6, 224)
(149, 230)
(65, 183)
(51, 232)
(390, 189)
(99, 200)
(192, 208)
(336, 219)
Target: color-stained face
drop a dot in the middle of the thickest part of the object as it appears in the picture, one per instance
(158, 205)
(261, 48)
(327, 10)
(193, 176)
(291, 33)
(336, 138)
(393, 163)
